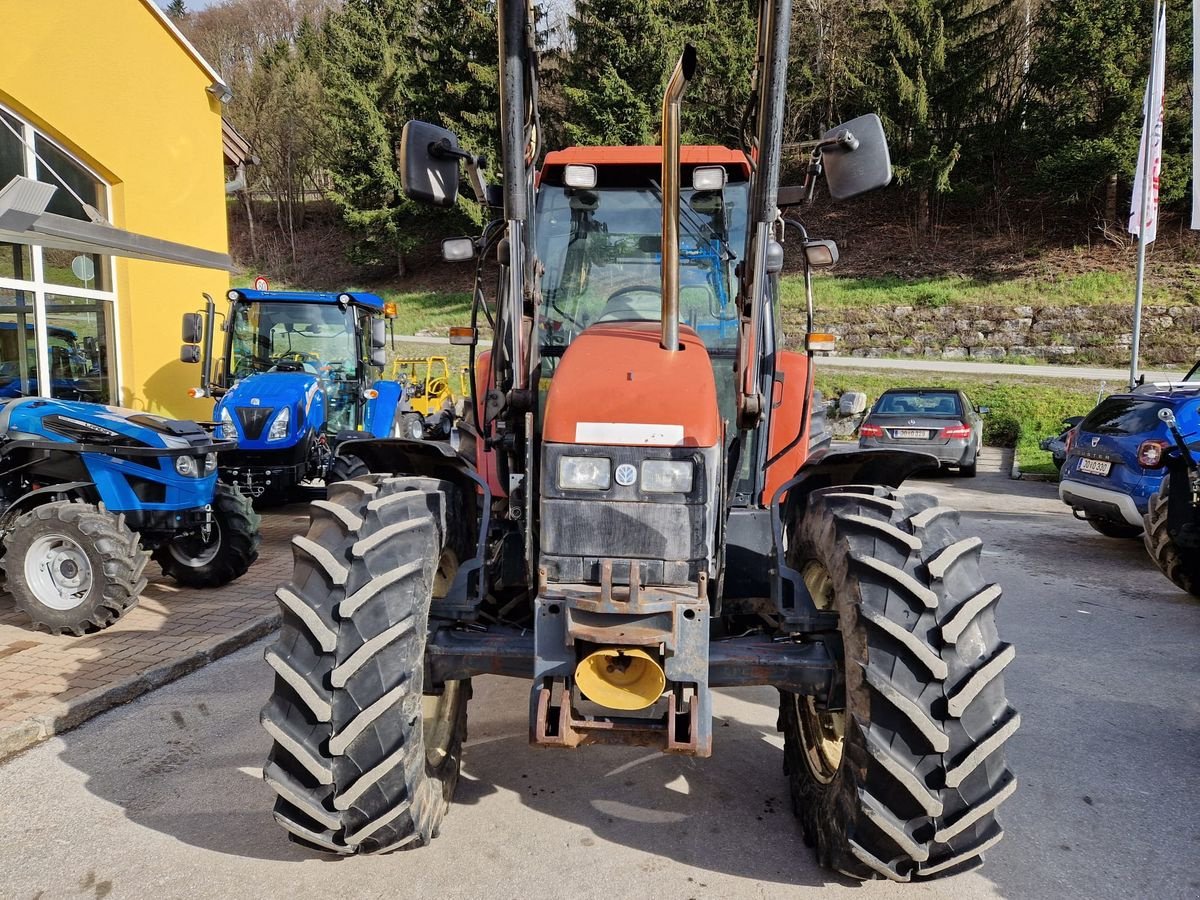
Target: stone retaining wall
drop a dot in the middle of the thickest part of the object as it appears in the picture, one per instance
(1098, 335)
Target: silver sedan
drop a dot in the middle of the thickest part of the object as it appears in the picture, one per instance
(938, 421)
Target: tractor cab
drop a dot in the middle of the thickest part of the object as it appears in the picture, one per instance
(298, 370)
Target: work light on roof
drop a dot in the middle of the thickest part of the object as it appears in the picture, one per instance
(580, 176)
(708, 178)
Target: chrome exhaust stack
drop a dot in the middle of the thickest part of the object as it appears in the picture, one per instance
(684, 70)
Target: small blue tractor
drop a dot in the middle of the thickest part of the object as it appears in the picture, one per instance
(300, 372)
(89, 493)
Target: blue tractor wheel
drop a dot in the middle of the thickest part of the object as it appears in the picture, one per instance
(74, 568)
(222, 554)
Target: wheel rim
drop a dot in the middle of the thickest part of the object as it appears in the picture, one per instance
(823, 733)
(58, 572)
(194, 551)
(416, 430)
(438, 712)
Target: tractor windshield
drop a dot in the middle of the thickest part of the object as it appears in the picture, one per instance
(602, 252)
(318, 338)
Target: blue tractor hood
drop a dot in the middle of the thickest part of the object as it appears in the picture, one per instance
(71, 421)
(255, 403)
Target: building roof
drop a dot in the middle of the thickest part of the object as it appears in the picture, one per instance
(222, 91)
(238, 151)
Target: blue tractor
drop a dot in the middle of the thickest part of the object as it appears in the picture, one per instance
(89, 493)
(300, 372)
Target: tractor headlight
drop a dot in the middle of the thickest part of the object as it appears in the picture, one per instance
(187, 466)
(210, 463)
(226, 430)
(584, 473)
(279, 428)
(667, 476)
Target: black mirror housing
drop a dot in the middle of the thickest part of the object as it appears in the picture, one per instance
(189, 353)
(856, 158)
(429, 156)
(193, 328)
(378, 335)
(379, 357)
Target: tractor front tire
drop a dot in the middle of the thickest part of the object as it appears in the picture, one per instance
(1181, 566)
(366, 756)
(412, 426)
(344, 468)
(231, 548)
(74, 568)
(905, 782)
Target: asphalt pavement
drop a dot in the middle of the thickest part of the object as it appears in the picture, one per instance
(163, 798)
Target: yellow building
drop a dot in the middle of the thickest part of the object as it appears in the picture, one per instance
(109, 102)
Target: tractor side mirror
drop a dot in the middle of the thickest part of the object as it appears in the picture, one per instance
(193, 328)
(429, 157)
(458, 249)
(379, 342)
(189, 353)
(855, 157)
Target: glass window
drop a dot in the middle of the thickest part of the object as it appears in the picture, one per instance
(602, 251)
(1123, 415)
(16, 261)
(919, 403)
(18, 344)
(12, 151)
(73, 290)
(79, 347)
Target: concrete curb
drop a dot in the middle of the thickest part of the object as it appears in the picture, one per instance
(1018, 475)
(16, 738)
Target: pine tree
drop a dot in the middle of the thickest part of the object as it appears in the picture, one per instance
(938, 67)
(1088, 78)
(367, 65)
(613, 76)
(177, 10)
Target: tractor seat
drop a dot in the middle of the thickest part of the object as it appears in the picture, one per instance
(637, 307)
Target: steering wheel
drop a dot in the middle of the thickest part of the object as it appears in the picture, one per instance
(436, 386)
(634, 289)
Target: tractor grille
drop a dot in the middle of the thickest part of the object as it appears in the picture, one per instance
(254, 419)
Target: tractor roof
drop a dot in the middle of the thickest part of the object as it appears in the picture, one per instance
(647, 156)
(370, 301)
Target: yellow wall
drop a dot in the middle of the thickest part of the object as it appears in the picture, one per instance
(110, 83)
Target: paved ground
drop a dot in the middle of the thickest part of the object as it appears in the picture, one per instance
(50, 683)
(163, 799)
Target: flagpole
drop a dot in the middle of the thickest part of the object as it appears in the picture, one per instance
(1152, 116)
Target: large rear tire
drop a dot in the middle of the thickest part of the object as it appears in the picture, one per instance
(363, 760)
(229, 551)
(903, 784)
(344, 468)
(74, 568)
(1179, 565)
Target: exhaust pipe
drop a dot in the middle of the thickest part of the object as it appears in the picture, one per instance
(684, 70)
(626, 678)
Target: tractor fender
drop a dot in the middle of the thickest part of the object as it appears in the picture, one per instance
(380, 414)
(47, 494)
(889, 468)
(436, 459)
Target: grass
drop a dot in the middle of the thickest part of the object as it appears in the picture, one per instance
(834, 292)
(1022, 412)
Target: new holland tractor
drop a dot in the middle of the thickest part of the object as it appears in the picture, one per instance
(89, 493)
(633, 517)
(299, 371)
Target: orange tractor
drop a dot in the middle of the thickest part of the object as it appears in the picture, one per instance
(638, 510)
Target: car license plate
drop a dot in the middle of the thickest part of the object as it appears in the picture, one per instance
(910, 434)
(1095, 466)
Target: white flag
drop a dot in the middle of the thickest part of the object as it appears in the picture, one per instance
(1145, 196)
(1195, 114)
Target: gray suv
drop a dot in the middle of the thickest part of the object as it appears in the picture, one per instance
(938, 421)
